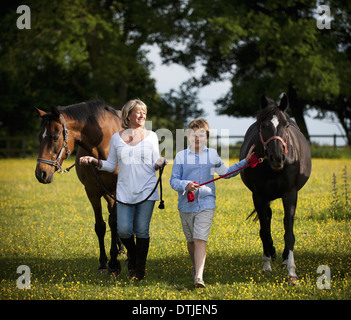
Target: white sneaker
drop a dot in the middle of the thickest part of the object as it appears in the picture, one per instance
(199, 283)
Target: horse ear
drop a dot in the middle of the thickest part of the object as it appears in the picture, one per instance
(264, 101)
(41, 113)
(283, 102)
(55, 112)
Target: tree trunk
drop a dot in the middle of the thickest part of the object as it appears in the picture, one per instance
(344, 123)
(297, 109)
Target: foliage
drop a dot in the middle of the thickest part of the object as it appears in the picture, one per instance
(329, 152)
(269, 47)
(77, 51)
(50, 228)
(340, 206)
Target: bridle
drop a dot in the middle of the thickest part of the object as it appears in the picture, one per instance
(64, 148)
(285, 143)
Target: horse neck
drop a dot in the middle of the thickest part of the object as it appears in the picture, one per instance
(94, 137)
(259, 147)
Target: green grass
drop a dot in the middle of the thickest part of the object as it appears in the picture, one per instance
(50, 228)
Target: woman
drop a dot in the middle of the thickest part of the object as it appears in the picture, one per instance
(136, 151)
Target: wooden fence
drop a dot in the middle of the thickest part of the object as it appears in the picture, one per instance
(25, 146)
(313, 138)
(18, 146)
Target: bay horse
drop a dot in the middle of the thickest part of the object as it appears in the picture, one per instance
(90, 125)
(284, 171)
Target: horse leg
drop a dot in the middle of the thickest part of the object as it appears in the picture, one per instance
(114, 265)
(289, 203)
(265, 215)
(100, 229)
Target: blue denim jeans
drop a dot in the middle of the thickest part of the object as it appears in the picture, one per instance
(125, 219)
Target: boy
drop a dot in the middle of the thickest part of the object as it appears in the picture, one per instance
(191, 167)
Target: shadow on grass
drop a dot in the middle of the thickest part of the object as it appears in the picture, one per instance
(175, 271)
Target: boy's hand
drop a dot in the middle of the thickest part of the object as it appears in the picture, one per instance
(250, 153)
(192, 186)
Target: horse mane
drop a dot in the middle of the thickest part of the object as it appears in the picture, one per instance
(269, 111)
(89, 111)
(84, 112)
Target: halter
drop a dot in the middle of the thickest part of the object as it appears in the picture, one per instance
(65, 147)
(285, 143)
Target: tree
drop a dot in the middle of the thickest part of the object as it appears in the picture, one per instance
(80, 50)
(340, 40)
(268, 47)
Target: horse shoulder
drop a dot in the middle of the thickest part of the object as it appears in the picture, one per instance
(303, 152)
(249, 139)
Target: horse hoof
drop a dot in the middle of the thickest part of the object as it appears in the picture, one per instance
(292, 280)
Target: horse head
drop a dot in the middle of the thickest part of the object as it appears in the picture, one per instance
(54, 145)
(273, 130)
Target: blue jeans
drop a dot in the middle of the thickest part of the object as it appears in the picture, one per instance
(125, 219)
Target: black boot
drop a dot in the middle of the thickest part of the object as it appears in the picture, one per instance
(142, 249)
(131, 254)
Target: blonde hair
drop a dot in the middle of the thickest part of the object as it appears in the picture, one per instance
(128, 108)
(200, 123)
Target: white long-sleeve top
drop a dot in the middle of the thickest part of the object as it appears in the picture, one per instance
(136, 171)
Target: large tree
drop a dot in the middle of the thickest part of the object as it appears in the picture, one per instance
(339, 39)
(77, 50)
(268, 47)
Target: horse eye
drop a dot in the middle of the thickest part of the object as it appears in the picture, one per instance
(55, 138)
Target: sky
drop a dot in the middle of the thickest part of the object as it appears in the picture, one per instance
(171, 76)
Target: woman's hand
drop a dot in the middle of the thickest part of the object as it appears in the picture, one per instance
(160, 163)
(250, 153)
(87, 159)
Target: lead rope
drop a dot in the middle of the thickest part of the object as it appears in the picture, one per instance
(253, 162)
(159, 181)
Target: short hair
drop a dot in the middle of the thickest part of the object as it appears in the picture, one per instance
(200, 123)
(128, 108)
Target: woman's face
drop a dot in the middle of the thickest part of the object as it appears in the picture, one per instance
(137, 117)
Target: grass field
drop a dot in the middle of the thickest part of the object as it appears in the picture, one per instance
(50, 228)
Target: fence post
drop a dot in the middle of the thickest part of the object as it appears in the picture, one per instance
(334, 138)
(9, 147)
(23, 147)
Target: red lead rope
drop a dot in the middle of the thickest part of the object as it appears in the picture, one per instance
(253, 162)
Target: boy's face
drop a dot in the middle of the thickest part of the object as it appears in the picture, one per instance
(197, 137)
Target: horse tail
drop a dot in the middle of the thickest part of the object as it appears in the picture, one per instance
(255, 218)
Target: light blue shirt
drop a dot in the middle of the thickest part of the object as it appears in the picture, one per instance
(188, 167)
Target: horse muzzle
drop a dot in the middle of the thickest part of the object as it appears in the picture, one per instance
(43, 175)
(276, 162)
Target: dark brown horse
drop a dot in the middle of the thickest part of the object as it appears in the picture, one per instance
(285, 170)
(90, 125)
